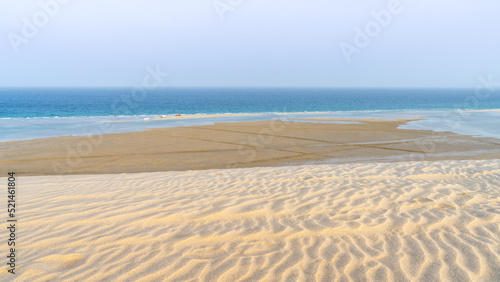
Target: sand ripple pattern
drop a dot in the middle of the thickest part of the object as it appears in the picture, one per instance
(419, 221)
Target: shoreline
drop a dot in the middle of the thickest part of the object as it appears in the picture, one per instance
(463, 123)
(201, 115)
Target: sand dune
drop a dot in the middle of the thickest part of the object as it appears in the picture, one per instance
(420, 221)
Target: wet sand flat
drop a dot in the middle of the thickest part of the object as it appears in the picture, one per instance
(245, 144)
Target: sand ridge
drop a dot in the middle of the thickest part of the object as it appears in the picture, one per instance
(408, 221)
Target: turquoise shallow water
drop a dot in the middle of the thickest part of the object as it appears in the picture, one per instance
(38, 113)
(23, 103)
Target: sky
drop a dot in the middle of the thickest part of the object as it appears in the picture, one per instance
(243, 43)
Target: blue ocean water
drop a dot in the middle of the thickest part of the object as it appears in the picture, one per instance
(29, 103)
(39, 113)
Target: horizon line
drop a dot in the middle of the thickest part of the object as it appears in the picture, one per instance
(237, 87)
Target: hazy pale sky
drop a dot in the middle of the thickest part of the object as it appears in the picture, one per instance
(296, 43)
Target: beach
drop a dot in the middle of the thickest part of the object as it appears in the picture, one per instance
(250, 141)
(243, 144)
(323, 199)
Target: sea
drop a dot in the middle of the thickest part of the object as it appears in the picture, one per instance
(31, 113)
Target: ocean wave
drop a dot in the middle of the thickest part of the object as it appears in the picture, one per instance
(253, 113)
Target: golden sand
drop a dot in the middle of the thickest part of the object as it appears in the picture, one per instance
(406, 221)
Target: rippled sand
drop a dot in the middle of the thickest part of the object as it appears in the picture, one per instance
(413, 221)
